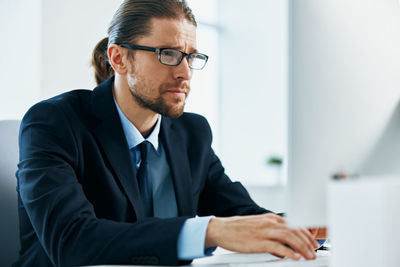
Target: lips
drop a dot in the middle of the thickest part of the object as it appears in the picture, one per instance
(179, 90)
(177, 93)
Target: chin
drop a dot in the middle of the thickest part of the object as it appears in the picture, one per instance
(174, 112)
(174, 116)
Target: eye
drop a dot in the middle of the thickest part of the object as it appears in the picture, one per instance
(170, 56)
(169, 53)
(198, 56)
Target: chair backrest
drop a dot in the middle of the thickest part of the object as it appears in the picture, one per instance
(9, 225)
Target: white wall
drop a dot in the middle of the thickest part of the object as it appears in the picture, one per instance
(20, 61)
(253, 92)
(71, 29)
(46, 48)
(204, 94)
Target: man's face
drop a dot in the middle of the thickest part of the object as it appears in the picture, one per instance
(160, 88)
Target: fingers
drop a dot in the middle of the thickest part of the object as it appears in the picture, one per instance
(310, 238)
(299, 240)
(278, 249)
(313, 232)
(261, 233)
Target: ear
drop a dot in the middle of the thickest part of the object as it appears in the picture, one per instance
(117, 56)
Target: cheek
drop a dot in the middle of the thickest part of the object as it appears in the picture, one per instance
(148, 76)
(131, 80)
(145, 84)
(147, 63)
(155, 78)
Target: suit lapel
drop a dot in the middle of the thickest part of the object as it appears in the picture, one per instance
(178, 162)
(110, 135)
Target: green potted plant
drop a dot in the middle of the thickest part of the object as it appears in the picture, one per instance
(275, 162)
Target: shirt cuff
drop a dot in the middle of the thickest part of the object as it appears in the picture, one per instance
(192, 237)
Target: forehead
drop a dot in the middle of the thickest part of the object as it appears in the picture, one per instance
(178, 33)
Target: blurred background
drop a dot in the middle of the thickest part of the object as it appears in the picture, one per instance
(46, 49)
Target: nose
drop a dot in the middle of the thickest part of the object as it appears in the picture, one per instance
(182, 71)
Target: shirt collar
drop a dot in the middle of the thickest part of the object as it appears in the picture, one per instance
(132, 134)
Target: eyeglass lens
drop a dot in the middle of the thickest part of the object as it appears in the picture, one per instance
(174, 57)
(197, 61)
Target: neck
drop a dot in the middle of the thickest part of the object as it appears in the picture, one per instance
(143, 118)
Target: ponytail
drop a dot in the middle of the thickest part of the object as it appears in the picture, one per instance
(100, 63)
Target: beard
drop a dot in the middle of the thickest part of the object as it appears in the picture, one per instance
(172, 108)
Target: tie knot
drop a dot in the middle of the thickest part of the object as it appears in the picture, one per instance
(144, 147)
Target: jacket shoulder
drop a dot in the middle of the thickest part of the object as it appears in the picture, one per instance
(191, 126)
(66, 103)
(193, 120)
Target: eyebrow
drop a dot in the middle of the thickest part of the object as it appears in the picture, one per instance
(177, 47)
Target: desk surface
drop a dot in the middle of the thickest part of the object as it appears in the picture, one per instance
(227, 258)
(223, 258)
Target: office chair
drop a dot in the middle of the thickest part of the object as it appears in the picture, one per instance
(9, 225)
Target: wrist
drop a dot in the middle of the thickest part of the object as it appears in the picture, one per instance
(212, 232)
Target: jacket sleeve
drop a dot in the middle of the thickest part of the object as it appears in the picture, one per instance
(62, 217)
(220, 196)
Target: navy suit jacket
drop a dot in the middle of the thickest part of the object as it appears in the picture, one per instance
(79, 201)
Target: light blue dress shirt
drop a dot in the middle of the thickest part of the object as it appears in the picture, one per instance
(193, 233)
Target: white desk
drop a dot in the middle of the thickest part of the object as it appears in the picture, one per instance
(227, 258)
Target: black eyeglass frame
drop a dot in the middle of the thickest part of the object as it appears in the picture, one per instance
(159, 51)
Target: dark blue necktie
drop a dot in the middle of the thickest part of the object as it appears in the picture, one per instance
(144, 179)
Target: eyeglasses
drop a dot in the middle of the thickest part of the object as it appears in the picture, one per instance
(173, 56)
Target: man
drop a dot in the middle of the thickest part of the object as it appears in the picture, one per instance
(118, 174)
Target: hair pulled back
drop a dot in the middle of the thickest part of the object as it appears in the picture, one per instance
(130, 22)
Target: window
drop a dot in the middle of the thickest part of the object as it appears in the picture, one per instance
(243, 89)
(204, 95)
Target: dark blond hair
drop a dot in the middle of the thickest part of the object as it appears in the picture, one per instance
(130, 22)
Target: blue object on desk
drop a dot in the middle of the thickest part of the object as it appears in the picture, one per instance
(321, 243)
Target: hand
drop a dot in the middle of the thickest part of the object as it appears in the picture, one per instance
(260, 234)
(319, 232)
